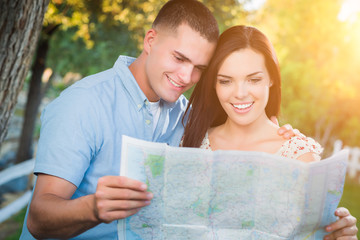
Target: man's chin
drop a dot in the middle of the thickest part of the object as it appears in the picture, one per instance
(171, 99)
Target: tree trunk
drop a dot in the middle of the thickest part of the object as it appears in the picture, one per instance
(20, 24)
(35, 95)
(25, 149)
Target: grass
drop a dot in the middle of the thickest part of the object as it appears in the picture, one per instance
(11, 228)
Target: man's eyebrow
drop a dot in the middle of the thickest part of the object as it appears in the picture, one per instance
(188, 60)
(182, 56)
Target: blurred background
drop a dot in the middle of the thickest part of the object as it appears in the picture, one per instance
(317, 42)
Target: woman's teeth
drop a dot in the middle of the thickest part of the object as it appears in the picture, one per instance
(243, 106)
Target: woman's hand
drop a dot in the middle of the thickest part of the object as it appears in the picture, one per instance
(344, 228)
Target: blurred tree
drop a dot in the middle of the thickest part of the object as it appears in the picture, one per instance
(20, 24)
(318, 66)
(60, 15)
(86, 36)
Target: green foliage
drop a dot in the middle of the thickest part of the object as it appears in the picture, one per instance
(93, 33)
(319, 55)
(320, 67)
(71, 55)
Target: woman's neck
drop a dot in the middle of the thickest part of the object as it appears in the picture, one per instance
(260, 135)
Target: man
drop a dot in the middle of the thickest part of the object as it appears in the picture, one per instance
(79, 192)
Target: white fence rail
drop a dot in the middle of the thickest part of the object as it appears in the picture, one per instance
(353, 169)
(16, 171)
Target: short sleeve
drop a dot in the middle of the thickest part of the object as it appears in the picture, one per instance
(67, 136)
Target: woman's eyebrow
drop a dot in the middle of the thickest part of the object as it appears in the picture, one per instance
(252, 74)
(224, 76)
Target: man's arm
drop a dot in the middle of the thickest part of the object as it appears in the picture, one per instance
(53, 214)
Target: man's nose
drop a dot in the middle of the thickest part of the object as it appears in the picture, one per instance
(186, 72)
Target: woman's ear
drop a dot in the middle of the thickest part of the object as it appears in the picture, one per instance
(271, 83)
(149, 39)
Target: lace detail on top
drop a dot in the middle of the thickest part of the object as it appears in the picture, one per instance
(205, 144)
(292, 148)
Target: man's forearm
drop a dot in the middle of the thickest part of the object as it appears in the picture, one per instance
(53, 217)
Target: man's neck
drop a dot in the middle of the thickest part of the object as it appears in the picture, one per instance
(137, 68)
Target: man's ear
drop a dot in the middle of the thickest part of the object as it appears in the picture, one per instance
(149, 39)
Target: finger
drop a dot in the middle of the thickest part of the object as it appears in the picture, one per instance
(348, 221)
(347, 238)
(344, 233)
(287, 127)
(120, 205)
(342, 212)
(108, 217)
(286, 134)
(274, 120)
(297, 133)
(121, 182)
(284, 129)
(122, 194)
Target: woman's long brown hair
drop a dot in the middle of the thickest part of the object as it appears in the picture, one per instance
(204, 110)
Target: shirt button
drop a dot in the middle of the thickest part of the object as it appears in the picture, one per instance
(146, 102)
(147, 122)
(139, 106)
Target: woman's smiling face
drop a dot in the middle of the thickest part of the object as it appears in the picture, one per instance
(242, 86)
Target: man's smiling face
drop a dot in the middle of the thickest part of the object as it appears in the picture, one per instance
(175, 62)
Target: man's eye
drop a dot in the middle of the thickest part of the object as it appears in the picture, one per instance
(201, 69)
(179, 59)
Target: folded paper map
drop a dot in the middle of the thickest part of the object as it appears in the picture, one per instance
(201, 194)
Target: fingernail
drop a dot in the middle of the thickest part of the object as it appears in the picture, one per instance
(326, 238)
(149, 195)
(287, 135)
(143, 186)
(147, 202)
(328, 229)
(281, 131)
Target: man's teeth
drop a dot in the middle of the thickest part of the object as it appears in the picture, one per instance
(242, 106)
(173, 83)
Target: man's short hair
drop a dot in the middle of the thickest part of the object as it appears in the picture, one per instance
(191, 12)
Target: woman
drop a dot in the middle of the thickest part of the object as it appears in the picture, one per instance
(231, 109)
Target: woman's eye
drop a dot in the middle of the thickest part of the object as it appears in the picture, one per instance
(255, 80)
(222, 81)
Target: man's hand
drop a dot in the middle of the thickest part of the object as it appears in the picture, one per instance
(53, 214)
(344, 228)
(118, 197)
(287, 131)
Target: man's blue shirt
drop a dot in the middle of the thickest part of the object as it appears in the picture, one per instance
(81, 133)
